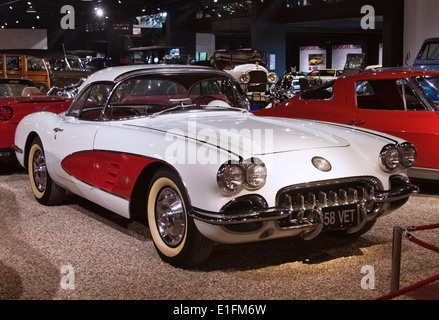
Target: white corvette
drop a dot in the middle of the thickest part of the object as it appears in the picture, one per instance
(178, 146)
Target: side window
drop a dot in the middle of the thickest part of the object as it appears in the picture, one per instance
(35, 64)
(13, 63)
(381, 94)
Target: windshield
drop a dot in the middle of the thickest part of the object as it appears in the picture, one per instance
(429, 51)
(147, 96)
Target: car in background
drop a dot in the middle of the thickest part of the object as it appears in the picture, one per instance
(178, 147)
(398, 101)
(18, 98)
(249, 68)
(428, 55)
(158, 55)
(97, 63)
(325, 74)
(15, 64)
(318, 76)
(66, 70)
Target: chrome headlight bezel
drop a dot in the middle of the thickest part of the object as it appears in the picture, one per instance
(255, 174)
(272, 77)
(408, 154)
(244, 78)
(233, 176)
(394, 156)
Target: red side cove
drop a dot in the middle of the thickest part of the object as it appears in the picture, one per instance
(110, 171)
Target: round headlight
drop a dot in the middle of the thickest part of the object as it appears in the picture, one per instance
(408, 154)
(272, 77)
(245, 78)
(390, 157)
(230, 177)
(256, 173)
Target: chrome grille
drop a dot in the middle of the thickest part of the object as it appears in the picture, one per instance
(326, 194)
(258, 77)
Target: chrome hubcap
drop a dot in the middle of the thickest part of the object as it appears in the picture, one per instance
(39, 171)
(170, 216)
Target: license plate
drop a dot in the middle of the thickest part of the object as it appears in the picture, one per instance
(340, 217)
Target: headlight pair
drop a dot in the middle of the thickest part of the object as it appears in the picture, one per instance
(394, 156)
(232, 176)
(271, 77)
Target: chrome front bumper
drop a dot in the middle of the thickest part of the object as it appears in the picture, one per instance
(306, 210)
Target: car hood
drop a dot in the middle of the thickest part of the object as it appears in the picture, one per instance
(245, 132)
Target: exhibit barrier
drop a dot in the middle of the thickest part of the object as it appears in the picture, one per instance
(398, 232)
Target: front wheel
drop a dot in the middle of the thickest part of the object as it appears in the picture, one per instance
(44, 189)
(175, 236)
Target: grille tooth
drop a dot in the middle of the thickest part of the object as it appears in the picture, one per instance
(323, 199)
(333, 197)
(361, 193)
(300, 200)
(371, 191)
(353, 194)
(311, 199)
(343, 195)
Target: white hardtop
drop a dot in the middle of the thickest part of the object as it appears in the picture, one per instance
(111, 73)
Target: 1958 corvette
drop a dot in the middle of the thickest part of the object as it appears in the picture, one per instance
(176, 144)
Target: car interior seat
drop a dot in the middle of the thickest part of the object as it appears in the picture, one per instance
(27, 91)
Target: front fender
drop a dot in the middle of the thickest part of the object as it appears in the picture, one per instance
(39, 124)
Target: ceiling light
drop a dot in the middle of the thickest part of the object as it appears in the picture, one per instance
(30, 9)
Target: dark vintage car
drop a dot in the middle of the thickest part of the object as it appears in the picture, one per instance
(18, 98)
(399, 101)
(66, 70)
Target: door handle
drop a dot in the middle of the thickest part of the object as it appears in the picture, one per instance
(356, 122)
(58, 130)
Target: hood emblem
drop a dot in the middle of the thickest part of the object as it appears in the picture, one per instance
(322, 164)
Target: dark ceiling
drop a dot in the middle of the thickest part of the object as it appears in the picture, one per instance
(14, 13)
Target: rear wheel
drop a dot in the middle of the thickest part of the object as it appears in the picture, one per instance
(44, 189)
(175, 236)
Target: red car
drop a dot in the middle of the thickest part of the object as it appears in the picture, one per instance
(399, 101)
(18, 98)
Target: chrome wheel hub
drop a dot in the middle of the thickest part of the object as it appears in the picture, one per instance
(170, 216)
(39, 171)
